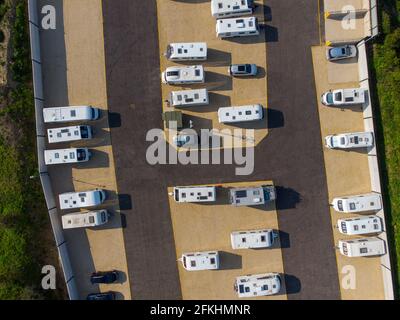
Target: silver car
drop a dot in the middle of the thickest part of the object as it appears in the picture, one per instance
(242, 70)
(343, 52)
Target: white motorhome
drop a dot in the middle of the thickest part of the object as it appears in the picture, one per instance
(258, 285)
(83, 199)
(195, 194)
(358, 203)
(189, 98)
(253, 239)
(183, 74)
(73, 133)
(342, 97)
(349, 140)
(241, 113)
(365, 247)
(186, 51)
(70, 114)
(252, 196)
(63, 156)
(360, 225)
(237, 27)
(231, 8)
(84, 219)
(196, 261)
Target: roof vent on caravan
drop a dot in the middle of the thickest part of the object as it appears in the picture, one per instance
(83, 199)
(195, 194)
(71, 155)
(85, 219)
(196, 261)
(253, 239)
(258, 285)
(70, 114)
(252, 196)
(186, 51)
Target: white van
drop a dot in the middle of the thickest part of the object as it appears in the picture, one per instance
(85, 219)
(189, 98)
(186, 51)
(360, 225)
(62, 156)
(258, 285)
(182, 75)
(358, 203)
(231, 8)
(252, 196)
(349, 140)
(195, 194)
(241, 114)
(73, 133)
(69, 114)
(83, 199)
(252, 239)
(196, 261)
(365, 247)
(237, 27)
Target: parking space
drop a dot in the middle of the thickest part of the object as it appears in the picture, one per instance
(207, 226)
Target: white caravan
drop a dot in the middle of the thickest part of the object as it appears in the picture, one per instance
(84, 219)
(258, 285)
(253, 239)
(349, 140)
(189, 98)
(365, 247)
(248, 113)
(342, 97)
(69, 114)
(252, 196)
(83, 199)
(186, 51)
(63, 156)
(360, 225)
(66, 134)
(237, 27)
(358, 203)
(196, 261)
(183, 74)
(231, 8)
(195, 194)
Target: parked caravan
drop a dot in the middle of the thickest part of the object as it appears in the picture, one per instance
(196, 261)
(231, 8)
(358, 203)
(241, 114)
(189, 98)
(85, 219)
(183, 75)
(63, 156)
(237, 27)
(66, 134)
(360, 225)
(195, 194)
(252, 196)
(258, 285)
(349, 140)
(342, 97)
(186, 51)
(83, 199)
(253, 239)
(365, 247)
(70, 114)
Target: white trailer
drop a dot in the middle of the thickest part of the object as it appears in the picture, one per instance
(195, 194)
(253, 239)
(83, 199)
(342, 97)
(183, 75)
(231, 8)
(189, 98)
(237, 27)
(350, 140)
(196, 261)
(70, 114)
(247, 113)
(84, 219)
(66, 134)
(358, 203)
(365, 247)
(186, 51)
(360, 225)
(63, 156)
(252, 196)
(258, 285)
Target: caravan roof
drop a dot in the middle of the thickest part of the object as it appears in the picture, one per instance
(258, 285)
(230, 8)
(252, 239)
(364, 247)
(196, 261)
(195, 194)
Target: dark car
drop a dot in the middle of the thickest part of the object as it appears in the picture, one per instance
(104, 277)
(101, 296)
